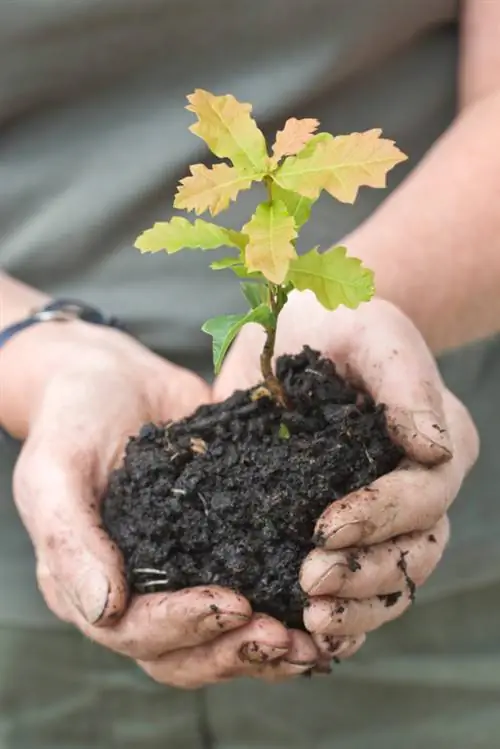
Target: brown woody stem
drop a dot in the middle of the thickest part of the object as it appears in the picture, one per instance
(277, 299)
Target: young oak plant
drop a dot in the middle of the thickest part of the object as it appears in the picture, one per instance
(302, 164)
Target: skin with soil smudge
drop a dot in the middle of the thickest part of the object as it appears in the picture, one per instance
(229, 497)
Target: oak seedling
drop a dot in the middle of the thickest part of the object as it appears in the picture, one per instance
(301, 164)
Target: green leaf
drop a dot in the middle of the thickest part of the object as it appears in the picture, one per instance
(298, 207)
(334, 278)
(225, 328)
(225, 262)
(179, 233)
(236, 265)
(283, 432)
(242, 272)
(254, 293)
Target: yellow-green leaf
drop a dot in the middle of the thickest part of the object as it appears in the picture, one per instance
(210, 189)
(340, 165)
(179, 233)
(298, 207)
(225, 262)
(334, 278)
(270, 232)
(294, 136)
(227, 127)
(225, 328)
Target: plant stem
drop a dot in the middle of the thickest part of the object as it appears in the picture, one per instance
(277, 296)
(277, 300)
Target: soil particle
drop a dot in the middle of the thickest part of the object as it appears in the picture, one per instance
(390, 599)
(222, 499)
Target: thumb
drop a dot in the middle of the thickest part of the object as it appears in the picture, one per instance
(58, 504)
(389, 357)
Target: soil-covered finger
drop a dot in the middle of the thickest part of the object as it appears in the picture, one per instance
(375, 570)
(302, 657)
(335, 647)
(60, 512)
(242, 652)
(351, 617)
(392, 361)
(412, 498)
(159, 623)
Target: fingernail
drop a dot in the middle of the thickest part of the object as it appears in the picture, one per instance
(225, 620)
(348, 534)
(323, 573)
(90, 595)
(333, 646)
(407, 425)
(427, 424)
(258, 652)
(301, 666)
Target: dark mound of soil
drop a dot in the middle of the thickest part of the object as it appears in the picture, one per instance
(230, 496)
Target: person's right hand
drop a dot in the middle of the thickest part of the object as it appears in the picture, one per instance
(75, 393)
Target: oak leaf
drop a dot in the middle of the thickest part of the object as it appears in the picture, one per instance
(270, 232)
(298, 207)
(228, 129)
(333, 277)
(179, 233)
(210, 189)
(225, 328)
(294, 136)
(340, 165)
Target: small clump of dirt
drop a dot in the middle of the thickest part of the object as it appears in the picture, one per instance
(230, 496)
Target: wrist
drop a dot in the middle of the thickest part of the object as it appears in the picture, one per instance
(33, 358)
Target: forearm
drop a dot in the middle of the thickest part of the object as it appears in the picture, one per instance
(435, 243)
(17, 300)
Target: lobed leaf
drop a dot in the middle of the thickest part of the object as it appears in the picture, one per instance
(225, 328)
(340, 165)
(333, 277)
(294, 136)
(179, 233)
(297, 206)
(227, 127)
(270, 232)
(210, 189)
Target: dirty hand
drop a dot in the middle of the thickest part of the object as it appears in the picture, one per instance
(75, 393)
(379, 543)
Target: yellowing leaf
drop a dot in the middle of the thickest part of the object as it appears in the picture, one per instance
(179, 233)
(225, 328)
(298, 207)
(340, 165)
(227, 127)
(210, 189)
(270, 232)
(334, 278)
(294, 136)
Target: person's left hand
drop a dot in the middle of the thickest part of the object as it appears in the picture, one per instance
(397, 528)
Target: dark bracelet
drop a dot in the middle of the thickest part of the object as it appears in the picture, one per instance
(61, 310)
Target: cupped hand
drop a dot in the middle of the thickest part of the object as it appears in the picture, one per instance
(75, 393)
(380, 543)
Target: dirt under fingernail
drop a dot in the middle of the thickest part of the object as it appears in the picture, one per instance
(256, 652)
(225, 620)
